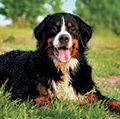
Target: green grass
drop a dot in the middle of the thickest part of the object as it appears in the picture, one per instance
(16, 38)
(57, 110)
(103, 55)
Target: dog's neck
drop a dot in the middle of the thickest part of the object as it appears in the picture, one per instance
(72, 64)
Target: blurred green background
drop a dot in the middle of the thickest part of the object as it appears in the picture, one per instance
(103, 13)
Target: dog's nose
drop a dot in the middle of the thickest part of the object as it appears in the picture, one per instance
(64, 39)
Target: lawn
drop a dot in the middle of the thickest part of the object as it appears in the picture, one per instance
(103, 55)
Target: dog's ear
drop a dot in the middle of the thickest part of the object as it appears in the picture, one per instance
(85, 31)
(39, 30)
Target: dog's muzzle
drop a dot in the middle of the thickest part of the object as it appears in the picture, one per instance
(63, 48)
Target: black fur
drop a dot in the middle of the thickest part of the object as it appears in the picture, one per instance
(24, 71)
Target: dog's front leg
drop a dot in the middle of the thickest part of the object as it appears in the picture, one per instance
(90, 98)
(44, 97)
(112, 104)
(42, 101)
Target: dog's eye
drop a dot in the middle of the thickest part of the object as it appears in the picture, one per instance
(73, 30)
(55, 29)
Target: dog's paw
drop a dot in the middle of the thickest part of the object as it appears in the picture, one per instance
(114, 105)
(41, 101)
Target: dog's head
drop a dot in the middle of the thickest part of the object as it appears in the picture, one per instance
(64, 36)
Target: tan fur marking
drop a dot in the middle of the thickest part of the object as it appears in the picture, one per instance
(58, 23)
(42, 90)
(75, 48)
(69, 24)
(50, 40)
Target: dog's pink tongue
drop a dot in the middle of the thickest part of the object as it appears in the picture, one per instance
(64, 55)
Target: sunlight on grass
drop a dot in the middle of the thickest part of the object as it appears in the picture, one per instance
(15, 38)
(104, 56)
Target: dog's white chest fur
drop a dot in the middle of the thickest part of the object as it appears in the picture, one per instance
(64, 89)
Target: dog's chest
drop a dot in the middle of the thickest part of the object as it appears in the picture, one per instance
(64, 89)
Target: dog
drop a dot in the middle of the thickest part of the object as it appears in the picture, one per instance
(58, 69)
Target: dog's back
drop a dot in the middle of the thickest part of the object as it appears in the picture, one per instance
(6, 63)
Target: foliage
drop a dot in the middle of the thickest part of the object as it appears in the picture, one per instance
(28, 10)
(99, 12)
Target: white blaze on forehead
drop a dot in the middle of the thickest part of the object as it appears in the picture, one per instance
(63, 31)
(63, 24)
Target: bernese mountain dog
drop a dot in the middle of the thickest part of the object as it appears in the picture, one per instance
(58, 69)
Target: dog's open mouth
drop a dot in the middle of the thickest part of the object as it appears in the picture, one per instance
(63, 54)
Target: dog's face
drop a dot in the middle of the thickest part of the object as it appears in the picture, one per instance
(63, 36)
